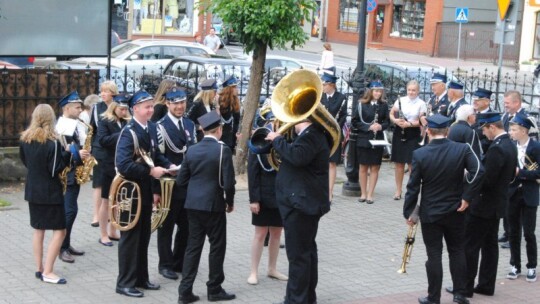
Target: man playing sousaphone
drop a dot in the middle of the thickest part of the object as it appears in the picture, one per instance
(138, 136)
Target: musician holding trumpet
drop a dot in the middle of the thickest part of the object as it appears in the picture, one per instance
(441, 208)
(138, 137)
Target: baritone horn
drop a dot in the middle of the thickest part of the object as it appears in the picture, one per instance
(407, 251)
(159, 214)
(297, 97)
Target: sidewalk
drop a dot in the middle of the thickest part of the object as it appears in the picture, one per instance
(360, 249)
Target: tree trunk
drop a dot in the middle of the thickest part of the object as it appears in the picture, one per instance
(250, 105)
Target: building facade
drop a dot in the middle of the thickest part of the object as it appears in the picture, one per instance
(529, 55)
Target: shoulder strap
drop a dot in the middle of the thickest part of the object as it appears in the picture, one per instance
(220, 165)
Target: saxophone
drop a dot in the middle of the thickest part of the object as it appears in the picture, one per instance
(82, 173)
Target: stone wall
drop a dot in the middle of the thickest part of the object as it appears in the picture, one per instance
(11, 167)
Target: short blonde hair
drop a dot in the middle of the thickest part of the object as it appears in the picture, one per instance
(90, 100)
(110, 86)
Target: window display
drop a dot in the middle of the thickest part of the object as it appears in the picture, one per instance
(408, 19)
(162, 17)
(348, 15)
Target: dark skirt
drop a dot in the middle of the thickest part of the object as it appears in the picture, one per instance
(97, 175)
(369, 156)
(267, 217)
(107, 177)
(402, 149)
(336, 157)
(47, 216)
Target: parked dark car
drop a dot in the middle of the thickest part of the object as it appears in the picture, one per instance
(228, 35)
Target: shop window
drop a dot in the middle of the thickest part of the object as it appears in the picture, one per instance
(536, 53)
(408, 19)
(348, 15)
(163, 17)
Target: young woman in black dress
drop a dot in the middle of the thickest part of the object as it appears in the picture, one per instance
(229, 108)
(370, 119)
(44, 157)
(204, 102)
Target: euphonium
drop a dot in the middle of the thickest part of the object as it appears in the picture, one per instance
(160, 213)
(297, 97)
(82, 172)
(407, 251)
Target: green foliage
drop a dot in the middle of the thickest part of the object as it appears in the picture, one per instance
(261, 23)
(4, 203)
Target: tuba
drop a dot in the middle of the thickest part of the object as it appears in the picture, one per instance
(82, 172)
(298, 97)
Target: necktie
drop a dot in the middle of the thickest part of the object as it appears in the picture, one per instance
(180, 125)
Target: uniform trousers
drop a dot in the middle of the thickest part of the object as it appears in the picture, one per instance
(202, 224)
(71, 207)
(481, 235)
(521, 215)
(300, 233)
(451, 227)
(172, 257)
(133, 251)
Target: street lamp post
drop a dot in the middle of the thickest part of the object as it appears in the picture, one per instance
(351, 186)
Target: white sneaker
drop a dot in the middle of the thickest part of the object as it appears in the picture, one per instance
(514, 273)
(531, 275)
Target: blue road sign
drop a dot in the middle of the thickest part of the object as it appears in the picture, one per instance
(371, 5)
(462, 14)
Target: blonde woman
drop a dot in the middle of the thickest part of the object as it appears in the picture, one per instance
(112, 122)
(107, 91)
(160, 108)
(204, 102)
(43, 156)
(405, 115)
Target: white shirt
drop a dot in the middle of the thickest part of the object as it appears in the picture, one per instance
(521, 153)
(140, 124)
(175, 120)
(411, 108)
(327, 59)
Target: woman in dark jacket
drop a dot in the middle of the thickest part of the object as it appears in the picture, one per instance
(203, 103)
(370, 119)
(265, 213)
(229, 108)
(45, 159)
(114, 119)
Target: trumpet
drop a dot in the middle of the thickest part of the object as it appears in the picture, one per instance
(531, 166)
(407, 251)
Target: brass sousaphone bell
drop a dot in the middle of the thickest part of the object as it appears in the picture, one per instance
(298, 97)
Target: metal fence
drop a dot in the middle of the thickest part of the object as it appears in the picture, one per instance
(22, 90)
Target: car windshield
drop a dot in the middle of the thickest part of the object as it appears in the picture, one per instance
(221, 71)
(122, 49)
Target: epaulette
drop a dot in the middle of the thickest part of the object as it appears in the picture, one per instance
(497, 141)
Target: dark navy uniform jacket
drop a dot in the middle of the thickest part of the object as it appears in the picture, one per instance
(462, 132)
(506, 118)
(179, 140)
(337, 106)
(107, 137)
(437, 176)
(527, 178)
(44, 162)
(95, 120)
(441, 107)
(261, 181)
(500, 163)
(302, 179)
(484, 141)
(451, 112)
(129, 163)
(206, 189)
(363, 122)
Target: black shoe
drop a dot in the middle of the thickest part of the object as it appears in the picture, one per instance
(281, 246)
(221, 296)
(74, 251)
(186, 299)
(95, 224)
(169, 274)
(483, 291)
(505, 245)
(426, 300)
(38, 275)
(503, 239)
(65, 256)
(149, 286)
(460, 299)
(130, 292)
(449, 289)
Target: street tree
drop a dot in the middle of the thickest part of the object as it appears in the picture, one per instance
(259, 25)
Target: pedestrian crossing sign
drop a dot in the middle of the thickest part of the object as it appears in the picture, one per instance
(462, 14)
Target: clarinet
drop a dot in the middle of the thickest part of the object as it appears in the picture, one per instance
(376, 119)
(402, 116)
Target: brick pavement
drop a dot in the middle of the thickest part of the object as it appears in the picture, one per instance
(360, 249)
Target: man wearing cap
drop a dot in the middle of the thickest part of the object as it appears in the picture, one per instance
(71, 108)
(489, 206)
(461, 131)
(175, 134)
(481, 99)
(138, 136)
(441, 209)
(439, 100)
(455, 95)
(336, 104)
(208, 174)
(302, 195)
(524, 198)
